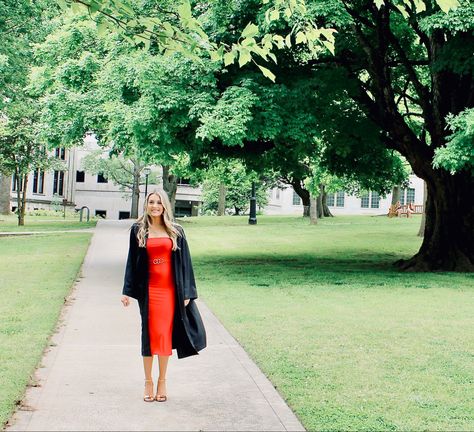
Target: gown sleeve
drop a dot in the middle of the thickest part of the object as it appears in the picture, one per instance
(129, 285)
(189, 283)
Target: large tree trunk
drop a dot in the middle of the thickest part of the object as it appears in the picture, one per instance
(319, 202)
(5, 186)
(303, 193)
(421, 231)
(448, 243)
(135, 192)
(221, 203)
(395, 194)
(170, 185)
(324, 196)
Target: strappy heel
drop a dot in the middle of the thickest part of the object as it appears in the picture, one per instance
(159, 397)
(148, 396)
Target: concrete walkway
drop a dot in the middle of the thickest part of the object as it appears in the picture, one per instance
(91, 378)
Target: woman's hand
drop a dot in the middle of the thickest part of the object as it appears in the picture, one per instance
(186, 302)
(125, 300)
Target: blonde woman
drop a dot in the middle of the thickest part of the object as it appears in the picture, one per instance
(159, 275)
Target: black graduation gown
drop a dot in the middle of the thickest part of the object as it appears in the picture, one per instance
(189, 335)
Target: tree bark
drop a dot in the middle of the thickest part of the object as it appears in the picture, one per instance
(448, 242)
(135, 192)
(22, 209)
(395, 194)
(319, 202)
(221, 203)
(313, 213)
(5, 186)
(421, 231)
(327, 212)
(303, 193)
(170, 185)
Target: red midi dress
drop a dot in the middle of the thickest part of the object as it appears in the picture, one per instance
(161, 294)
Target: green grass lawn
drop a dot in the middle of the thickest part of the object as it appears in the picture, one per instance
(36, 273)
(50, 222)
(349, 342)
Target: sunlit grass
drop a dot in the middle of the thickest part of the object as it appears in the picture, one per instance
(350, 342)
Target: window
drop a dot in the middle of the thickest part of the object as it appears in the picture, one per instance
(101, 213)
(330, 199)
(58, 183)
(296, 199)
(124, 215)
(38, 181)
(410, 195)
(183, 181)
(364, 201)
(101, 178)
(402, 197)
(60, 153)
(14, 183)
(340, 199)
(80, 176)
(375, 201)
(277, 194)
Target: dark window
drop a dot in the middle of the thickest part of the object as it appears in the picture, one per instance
(402, 196)
(410, 196)
(101, 178)
(183, 181)
(330, 199)
(38, 181)
(364, 201)
(58, 183)
(124, 215)
(101, 213)
(14, 182)
(60, 153)
(340, 199)
(80, 176)
(375, 203)
(296, 199)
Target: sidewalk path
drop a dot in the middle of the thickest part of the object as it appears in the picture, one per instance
(91, 378)
(20, 233)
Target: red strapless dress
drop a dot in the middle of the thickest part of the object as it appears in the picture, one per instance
(161, 294)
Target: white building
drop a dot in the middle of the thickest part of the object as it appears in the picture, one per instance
(76, 188)
(286, 201)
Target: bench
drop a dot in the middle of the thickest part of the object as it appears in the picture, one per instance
(416, 209)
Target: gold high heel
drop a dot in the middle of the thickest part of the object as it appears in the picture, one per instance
(158, 397)
(148, 397)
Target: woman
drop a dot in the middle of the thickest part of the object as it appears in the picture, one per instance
(159, 275)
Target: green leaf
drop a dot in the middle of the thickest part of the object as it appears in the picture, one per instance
(249, 42)
(273, 57)
(229, 58)
(329, 46)
(447, 5)
(300, 37)
(379, 3)
(244, 57)
(250, 30)
(184, 10)
(102, 28)
(274, 15)
(288, 40)
(267, 72)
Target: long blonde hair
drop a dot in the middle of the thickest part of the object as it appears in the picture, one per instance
(144, 221)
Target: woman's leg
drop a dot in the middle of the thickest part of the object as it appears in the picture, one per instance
(161, 390)
(148, 368)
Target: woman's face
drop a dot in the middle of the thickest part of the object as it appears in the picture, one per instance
(154, 206)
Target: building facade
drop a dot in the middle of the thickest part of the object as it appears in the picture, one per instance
(75, 188)
(287, 202)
